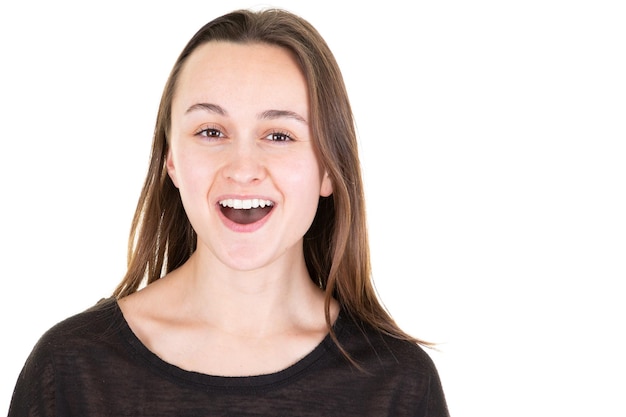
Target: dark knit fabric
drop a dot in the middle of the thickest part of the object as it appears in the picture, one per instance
(92, 365)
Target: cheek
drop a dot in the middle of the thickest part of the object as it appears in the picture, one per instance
(193, 175)
(303, 178)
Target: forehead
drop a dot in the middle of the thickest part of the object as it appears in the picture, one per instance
(244, 71)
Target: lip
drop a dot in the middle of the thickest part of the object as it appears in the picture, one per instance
(243, 228)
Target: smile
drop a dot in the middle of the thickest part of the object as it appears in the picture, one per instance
(246, 211)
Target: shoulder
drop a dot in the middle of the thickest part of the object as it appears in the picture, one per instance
(81, 336)
(58, 355)
(86, 327)
(378, 349)
(398, 376)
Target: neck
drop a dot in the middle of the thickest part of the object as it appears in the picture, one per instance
(256, 302)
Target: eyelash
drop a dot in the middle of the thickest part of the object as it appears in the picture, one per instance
(214, 132)
(210, 132)
(287, 137)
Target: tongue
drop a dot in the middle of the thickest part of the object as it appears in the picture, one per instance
(245, 216)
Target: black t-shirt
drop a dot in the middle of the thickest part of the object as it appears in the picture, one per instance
(93, 365)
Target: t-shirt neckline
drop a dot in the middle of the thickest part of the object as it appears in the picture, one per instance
(171, 371)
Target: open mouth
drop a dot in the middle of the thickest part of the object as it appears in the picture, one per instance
(245, 211)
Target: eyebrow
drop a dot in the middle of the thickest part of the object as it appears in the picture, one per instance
(211, 108)
(266, 115)
(277, 114)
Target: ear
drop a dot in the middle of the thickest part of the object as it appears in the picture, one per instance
(171, 168)
(326, 188)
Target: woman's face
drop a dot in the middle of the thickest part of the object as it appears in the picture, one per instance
(242, 155)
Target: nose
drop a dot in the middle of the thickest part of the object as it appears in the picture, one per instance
(244, 163)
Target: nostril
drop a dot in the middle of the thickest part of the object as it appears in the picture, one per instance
(244, 161)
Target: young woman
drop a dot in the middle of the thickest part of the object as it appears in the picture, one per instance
(248, 290)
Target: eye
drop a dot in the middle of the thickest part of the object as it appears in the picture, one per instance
(279, 136)
(210, 132)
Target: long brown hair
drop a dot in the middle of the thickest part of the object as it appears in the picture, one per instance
(336, 247)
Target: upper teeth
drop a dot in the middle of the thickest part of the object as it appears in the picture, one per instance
(245, 204)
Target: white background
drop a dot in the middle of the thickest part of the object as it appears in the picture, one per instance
(493, 147)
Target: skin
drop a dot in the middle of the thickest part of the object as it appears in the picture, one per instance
(243, 304)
